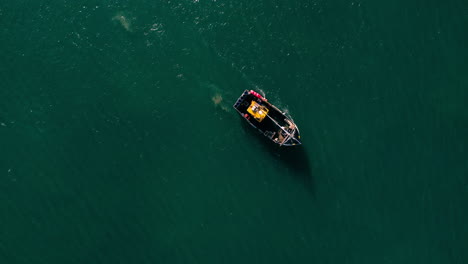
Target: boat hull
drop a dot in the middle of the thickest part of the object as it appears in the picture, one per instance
(268, 119)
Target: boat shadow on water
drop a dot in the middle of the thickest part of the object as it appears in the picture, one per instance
(295, 159)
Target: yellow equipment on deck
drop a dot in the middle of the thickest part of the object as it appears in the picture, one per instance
(259, 112)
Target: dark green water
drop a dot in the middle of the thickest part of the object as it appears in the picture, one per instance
(119, 143)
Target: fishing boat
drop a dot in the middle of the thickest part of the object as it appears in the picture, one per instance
(268, 119)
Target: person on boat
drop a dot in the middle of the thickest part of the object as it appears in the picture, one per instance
(280, 137)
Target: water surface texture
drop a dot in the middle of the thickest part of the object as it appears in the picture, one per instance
(119, 143)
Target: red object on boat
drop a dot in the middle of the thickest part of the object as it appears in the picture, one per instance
(257, 95)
